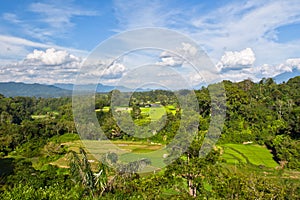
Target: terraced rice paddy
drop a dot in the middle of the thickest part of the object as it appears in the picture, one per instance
(248, 154)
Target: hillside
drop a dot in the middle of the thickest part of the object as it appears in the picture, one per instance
(12, 89)
(256, 156)
(100, 87)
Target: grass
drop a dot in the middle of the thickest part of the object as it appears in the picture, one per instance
(127, 151)
(251, 154)
(131, 151)
(104, 109)
(153, 113)
(149, 113)
(38, 116)
(233, 157)
(67, 137)
(171, 109)
(50, 114)
(156, 158)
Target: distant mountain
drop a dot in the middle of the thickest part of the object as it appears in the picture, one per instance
(65, 86)
(100, 87)
(12, 89)
(284, 77)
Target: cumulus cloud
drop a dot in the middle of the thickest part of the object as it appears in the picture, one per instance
(293, 63)
(188, 49)
(196, 79)
(235, 60)
(50, 57)
(256, 73)
(245, 23)
(170, 59)
(49, 66)
(114, 71)
(105, 70)
(289, 65)
(57, 66)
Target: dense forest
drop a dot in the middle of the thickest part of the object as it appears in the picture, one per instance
(36, 132)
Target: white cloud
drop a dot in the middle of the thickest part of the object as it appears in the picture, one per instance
(11, 18)
(137, 14)
(168, 59)
(267, 70)
(16, 48)
(187, 51)
(58, 15)
(50, 57)
(239, 76)
(242, 24)
(100, 70)
(293, 63)
(196, 79)
(256, 73)
(273, 70)
(58, 66)
(49, 66)
(46, 21)
(114, 71)
(233, 60)
(233, 25)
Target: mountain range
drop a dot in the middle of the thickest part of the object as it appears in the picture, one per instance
(100, 87)
(12, 89)
(284, 77)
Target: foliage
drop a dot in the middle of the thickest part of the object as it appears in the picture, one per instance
(36, 131)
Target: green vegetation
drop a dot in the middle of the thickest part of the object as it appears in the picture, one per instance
(95, 149)
(67, 137)
(234, 157)
(251, 154)
(13, 89)
(43, 157)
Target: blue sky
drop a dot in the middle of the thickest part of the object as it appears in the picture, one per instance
(45, 41)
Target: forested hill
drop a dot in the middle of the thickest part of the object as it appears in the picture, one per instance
(12, 89)
(256, 157)
(100, 88)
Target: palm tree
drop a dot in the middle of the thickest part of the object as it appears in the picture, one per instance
(81, 172)
(98, 183)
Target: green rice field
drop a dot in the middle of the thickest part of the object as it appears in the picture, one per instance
(248, 154)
